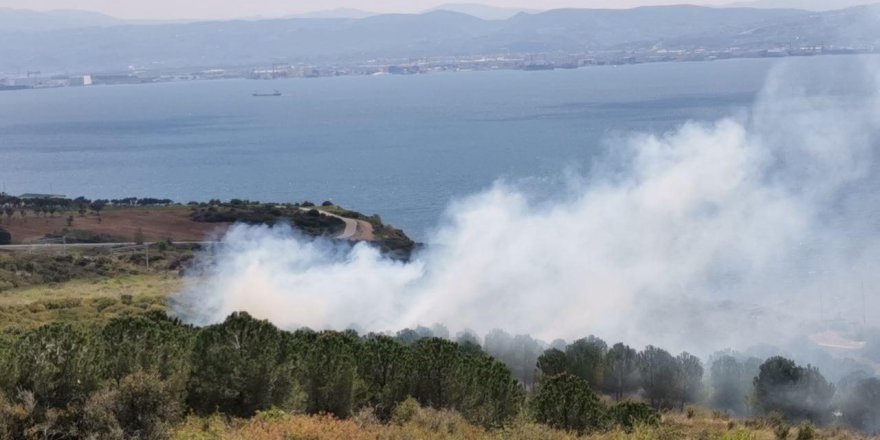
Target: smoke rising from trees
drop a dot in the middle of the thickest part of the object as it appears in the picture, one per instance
(754, 229)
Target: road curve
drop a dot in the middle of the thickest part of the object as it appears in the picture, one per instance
(355, 230)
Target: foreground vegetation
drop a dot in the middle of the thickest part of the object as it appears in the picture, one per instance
(427, 423)
(88, 351)
(149, 376)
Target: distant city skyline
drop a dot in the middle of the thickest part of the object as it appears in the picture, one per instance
(233, 9)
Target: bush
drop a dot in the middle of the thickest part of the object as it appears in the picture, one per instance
(5, 237)
(328, 372)
(781, 431)
(60, 364)
(795, 392)
(142, 406)
(240, 367)
(806, 432)
(405, 411)
(566, 401)
(628, 415)
(861, 407)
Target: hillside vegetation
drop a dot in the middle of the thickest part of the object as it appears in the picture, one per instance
(88, 351)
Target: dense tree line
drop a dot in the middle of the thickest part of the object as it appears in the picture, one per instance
(734, 384)
(664, 380)
(140, 374)
(10, 205)
(136, 377)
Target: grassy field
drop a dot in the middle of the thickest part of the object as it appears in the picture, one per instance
(86, 301)
(84, 287)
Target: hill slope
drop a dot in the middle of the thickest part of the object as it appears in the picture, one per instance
(438, 33)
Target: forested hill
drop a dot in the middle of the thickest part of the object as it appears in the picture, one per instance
(436, 33)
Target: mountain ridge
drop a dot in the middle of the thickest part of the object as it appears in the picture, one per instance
(436, 33)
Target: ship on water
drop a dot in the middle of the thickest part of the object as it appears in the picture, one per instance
(275, 93)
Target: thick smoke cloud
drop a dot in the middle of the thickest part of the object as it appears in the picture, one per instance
(754, 229)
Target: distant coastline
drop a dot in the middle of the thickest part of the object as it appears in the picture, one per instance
(411, 67)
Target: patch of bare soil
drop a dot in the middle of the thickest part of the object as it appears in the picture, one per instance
(156, 224)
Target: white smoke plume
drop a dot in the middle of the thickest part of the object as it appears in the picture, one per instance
(753, 229)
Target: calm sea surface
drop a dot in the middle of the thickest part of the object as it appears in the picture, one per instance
(402, 146)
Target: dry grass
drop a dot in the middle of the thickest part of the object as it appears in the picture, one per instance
(431, 424)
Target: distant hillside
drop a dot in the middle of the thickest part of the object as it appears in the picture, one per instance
(809, 5)
(484, 11)
(23, 20)
(337, 13)
(438, 33)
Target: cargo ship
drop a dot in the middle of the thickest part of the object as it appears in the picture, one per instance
(275, 93)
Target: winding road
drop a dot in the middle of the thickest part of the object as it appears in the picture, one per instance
(355, 230)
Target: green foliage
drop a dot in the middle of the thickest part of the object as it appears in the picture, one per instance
(688, 378)
(405, 411)
(623, 371)
(151, 343)
(797, 393)
(492, 396)
(730, 384)
(520, 353)
(553, 362)
(387, 368)
(59, 364)
(566, 402)
(659, 375)
(328, 371)
(437, 368)
(134, 376)
(239, 367)
(586, 359)
(478, 386)
(269, 214)
(142, 406)
(629, 415)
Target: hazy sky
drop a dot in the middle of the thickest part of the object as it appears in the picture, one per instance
(178, 9)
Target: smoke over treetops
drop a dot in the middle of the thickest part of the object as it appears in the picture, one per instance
(752, 229)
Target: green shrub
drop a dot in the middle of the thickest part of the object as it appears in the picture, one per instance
(566, 402)
(142, 406)
(628, 415)
(240, 367)
(405, 411)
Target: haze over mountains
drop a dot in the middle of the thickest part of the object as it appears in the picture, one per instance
(73, 42)
(809, 5)
(24, 20)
